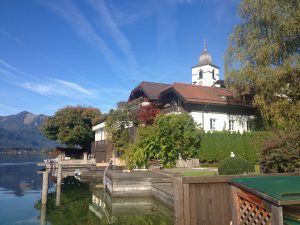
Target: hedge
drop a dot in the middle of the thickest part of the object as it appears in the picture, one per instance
(235, 165)
(216, 146)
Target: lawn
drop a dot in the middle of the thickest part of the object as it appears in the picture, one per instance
(199, 173)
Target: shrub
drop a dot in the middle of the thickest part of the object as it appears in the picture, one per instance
(282, 153)
(170, 136)
(215, 146)
(235, 165)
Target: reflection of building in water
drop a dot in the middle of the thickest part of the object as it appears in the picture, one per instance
(105, 207)
(99, 207)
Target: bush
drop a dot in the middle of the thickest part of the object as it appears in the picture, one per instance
(215, 146)
(235, 165)
(170, 136)
(282, 153)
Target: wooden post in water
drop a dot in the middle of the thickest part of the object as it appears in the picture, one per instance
(45, 188)
(58, 184)
(85, 157)
(43, 215)
(114, 159)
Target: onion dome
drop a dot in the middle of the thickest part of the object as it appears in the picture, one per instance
(205, 57)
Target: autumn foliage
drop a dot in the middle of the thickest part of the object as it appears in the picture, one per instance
(147, 114)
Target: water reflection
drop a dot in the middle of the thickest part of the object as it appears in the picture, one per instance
(83, 203)
(143, 209)
(20, 188)
(18, 175)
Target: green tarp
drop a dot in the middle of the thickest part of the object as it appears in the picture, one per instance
(282, 188)
(290, 221)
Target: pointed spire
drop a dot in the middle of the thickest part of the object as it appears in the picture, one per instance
(204, 44)
(205, 57)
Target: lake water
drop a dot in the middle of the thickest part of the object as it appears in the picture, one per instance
(79, 203)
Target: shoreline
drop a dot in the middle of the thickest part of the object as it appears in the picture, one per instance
(23, 152)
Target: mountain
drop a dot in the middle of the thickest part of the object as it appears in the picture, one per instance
(22, 131)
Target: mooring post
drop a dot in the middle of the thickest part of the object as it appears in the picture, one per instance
(58, 184)
(85, 157)
(114, 159)
(59, 157)
(43, 215)
(45, 188)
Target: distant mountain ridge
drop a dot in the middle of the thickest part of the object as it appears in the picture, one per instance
(22, 131)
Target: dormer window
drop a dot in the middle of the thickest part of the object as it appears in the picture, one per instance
(213, 74)
(200, 74)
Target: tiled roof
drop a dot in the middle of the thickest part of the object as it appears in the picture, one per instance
(150, 89)
(201, 94)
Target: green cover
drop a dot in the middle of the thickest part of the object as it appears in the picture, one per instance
(290, 221)
(282, 188)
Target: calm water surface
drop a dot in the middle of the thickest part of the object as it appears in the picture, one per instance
(80, 203)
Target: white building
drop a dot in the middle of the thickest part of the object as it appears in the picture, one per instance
(211, 105)
(100, 134)
(205, 73)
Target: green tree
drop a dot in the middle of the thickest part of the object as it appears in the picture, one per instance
(170, 137)
(263, 59)
(281, 153)
(116, 126)
(72, 125)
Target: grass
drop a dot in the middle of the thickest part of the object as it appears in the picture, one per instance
(199, 173)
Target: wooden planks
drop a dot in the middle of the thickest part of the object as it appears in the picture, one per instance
(204, 203)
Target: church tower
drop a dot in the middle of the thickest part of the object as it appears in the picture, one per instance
(205, 73)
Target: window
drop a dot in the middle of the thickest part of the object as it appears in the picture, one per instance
(212, 124)
(231, 125)
(200, 74)
(213, 74)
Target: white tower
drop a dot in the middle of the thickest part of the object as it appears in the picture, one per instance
(205, 73)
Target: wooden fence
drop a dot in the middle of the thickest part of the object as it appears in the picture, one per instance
(208, 200)
(102, 150)
(202, 200)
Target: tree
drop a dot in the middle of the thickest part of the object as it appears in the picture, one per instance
(72, 125)
(148, 113)
(170, 137)
(281, 153)
(263, 59)
(116, 126)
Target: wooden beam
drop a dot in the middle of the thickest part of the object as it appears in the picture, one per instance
(178, 200)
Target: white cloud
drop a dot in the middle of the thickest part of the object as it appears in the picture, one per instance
(74, 86)
(48, 86)
(8, 108)
(84, 29)
(56, 87)
(11, 37)
(104, 16)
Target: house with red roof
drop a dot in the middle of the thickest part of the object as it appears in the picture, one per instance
(213, 107)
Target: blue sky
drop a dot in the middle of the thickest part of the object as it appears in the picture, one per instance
(94, 52)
